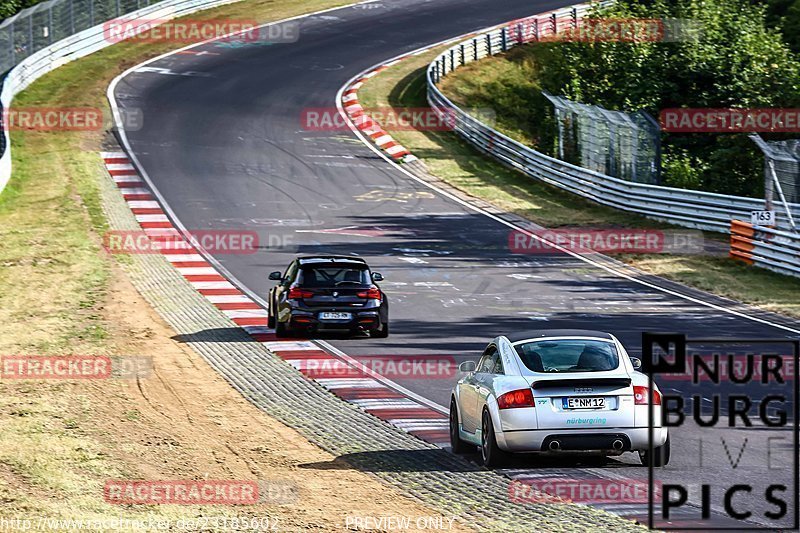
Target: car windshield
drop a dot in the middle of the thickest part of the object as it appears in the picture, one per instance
(568, 355)
(333, 276)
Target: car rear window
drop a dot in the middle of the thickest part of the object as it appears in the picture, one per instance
(568, 355)
(334, 276)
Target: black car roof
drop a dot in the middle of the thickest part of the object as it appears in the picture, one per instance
(316, 259)
(535, 333)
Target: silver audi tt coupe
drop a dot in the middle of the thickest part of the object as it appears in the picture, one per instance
(555, 391)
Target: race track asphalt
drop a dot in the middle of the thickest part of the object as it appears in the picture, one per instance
(224, 142)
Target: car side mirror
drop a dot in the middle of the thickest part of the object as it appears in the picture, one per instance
(377, 276)
(636, 362)
(467, 366)
(276, 276)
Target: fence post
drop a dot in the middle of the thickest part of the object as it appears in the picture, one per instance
(118, 8)
(91, 13)
(555, 24)
(503, 39)
(452, 60)
(574, 18)
(475, 49)
(11, 45)
(535, 29)
(30, 35)
(488, 44)
(463, 57)
(50, 25)
(72, 17)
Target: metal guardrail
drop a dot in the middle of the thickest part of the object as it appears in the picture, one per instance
(48, 57)
(683, 207)
(766, 247)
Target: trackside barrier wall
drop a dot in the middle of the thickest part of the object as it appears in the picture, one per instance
(694, 209)
(74, 47)
(766, 247)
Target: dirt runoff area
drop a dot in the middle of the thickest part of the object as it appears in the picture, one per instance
(71, 450)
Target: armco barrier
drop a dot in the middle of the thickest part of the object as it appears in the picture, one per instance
(695, 209)
(766, 247)
(76, 46)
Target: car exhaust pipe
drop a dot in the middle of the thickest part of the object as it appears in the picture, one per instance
(618, 445)
(554, 446)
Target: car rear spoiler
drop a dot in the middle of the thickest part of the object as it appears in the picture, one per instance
(580, 382)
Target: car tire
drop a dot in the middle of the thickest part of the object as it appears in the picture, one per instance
(491, 454)
(660, 455)
(456, 444)
(281, 330)
(381, 333)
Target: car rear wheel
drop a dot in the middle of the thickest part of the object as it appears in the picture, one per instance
(382, 332)
(456, 444)
(660, 456)
(281, 329)
(491, 454)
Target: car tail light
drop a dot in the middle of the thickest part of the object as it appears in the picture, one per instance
(516, 398)
(296, 293)
(370, 294)
(640, 396)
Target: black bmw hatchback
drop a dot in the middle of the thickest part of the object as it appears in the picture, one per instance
(328, 292)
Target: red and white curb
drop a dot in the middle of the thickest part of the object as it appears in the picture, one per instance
(367, 125)
(341, 377)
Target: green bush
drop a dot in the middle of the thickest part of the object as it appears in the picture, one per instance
(738, 61)
(12, 7)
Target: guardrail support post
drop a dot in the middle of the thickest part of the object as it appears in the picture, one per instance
(11, 44)
(452, 60)
(475, 49)
(535, 29)
(574, 18)
(503, 39)
(30, 36)
(71, 17)
(488, 44)
(555, 24)
(463, 57)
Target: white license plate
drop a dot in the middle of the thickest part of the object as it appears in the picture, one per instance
(335, 316)
(584, 402)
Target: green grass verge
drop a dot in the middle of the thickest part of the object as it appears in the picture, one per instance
(55, 281)
(457, 163)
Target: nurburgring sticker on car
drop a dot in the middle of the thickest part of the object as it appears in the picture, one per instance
(335, 316)
(583, 402)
